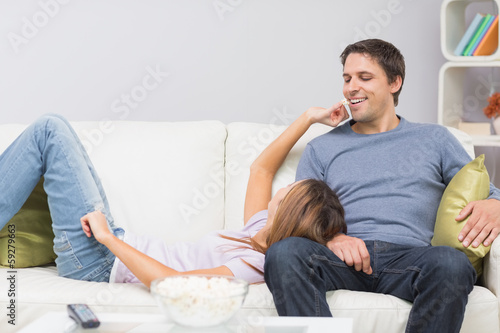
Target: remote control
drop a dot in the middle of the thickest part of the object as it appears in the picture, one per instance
(82, 314)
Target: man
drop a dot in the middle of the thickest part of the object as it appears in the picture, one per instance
(390, 175)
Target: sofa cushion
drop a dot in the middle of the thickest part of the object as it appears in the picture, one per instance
(161, 178)
(27, 239)
(471, 183)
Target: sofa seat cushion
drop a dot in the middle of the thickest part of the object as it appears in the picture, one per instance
(385, 313)
(44, 290)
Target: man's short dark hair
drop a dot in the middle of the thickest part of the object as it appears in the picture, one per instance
(385, 54)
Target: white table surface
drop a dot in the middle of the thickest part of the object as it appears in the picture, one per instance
(59, 322)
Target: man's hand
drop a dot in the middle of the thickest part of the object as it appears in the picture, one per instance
(483, 225)
(95, 223)
(352, 251)
(332, 116)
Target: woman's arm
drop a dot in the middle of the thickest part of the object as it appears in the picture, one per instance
(145, 268)
(265, 166)
(262, 171)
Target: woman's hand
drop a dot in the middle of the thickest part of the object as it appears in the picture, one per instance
(95, 223)
(332, 116)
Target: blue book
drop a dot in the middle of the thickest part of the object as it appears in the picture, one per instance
(476, 21)
(481, 35)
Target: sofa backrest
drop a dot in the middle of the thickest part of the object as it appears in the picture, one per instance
(163, 179)
(180, 180)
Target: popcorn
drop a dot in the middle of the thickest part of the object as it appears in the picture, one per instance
(345, 102)
(200, 301)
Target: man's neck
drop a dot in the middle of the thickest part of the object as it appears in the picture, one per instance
(379, 126)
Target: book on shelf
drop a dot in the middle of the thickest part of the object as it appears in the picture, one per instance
(478, 31)
(476, 21)
(480, 37)
(489, 43)
(482, 32)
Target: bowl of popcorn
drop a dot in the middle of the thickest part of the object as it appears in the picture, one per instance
(199, 300)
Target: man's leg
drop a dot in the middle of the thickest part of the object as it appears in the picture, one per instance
(299, 272)
(437, 280)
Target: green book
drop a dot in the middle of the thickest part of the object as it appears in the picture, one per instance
(478, 32)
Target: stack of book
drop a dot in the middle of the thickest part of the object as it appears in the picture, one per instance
(480, 38)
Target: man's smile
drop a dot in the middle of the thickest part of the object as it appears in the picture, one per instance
(357, 100)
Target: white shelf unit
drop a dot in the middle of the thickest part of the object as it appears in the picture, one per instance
(451, 97)
(453, 27)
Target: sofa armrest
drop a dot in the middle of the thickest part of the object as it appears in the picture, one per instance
(491, 270)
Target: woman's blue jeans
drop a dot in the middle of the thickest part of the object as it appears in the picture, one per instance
(437, 280)
(50, 148)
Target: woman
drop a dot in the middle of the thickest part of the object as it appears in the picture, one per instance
(50, 148)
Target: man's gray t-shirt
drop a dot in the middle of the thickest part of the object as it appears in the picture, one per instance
(389, 183)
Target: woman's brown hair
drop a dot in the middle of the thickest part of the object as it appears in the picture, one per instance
(311, 209)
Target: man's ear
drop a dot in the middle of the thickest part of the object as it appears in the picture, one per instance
(396, 84)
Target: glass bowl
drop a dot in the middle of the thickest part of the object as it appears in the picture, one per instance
(199, 300)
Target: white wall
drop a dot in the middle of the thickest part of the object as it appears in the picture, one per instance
(231, 60)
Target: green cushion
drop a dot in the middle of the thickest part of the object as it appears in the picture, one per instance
(471, 183)
(30, 234)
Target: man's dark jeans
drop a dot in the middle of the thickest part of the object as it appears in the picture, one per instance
(437, 280)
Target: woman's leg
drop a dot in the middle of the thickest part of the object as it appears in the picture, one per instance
(106, 210)
(49, 147)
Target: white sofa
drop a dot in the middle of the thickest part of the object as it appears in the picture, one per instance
(180, 180)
